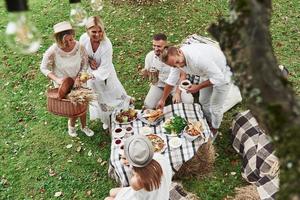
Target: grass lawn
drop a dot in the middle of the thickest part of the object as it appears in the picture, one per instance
(38, 158)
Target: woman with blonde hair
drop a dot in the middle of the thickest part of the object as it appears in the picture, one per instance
(110, 92)
(152, 173)
(66, 58)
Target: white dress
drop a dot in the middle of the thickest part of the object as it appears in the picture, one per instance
(111, 94)
(162, 193)
(64, 64)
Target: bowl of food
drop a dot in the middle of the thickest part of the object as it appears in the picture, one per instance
(193, 130)
(175, 142)
(174, 125)
(118, 132)
(126, 116)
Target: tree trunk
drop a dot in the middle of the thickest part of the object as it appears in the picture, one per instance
(246, 42)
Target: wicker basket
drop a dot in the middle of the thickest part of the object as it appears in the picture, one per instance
(57, 105)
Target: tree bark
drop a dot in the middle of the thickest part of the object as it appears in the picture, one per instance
(246, 42)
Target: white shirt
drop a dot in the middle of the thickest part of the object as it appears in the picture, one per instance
(203, 60)
(64, 64)
(153, 61)
(162, 193)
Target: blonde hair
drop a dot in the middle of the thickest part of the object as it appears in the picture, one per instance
(59, 37)
(97, 22)
(149, 177)
(168, 51)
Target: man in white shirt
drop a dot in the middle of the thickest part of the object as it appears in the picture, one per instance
(154, 67)
(209, 63)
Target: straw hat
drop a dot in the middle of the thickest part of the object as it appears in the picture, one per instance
(138, 150)
(62, 26)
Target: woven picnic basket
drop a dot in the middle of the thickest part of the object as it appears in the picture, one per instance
(58, 105)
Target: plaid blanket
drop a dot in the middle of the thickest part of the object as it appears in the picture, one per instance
(177, 157)
(260, 165)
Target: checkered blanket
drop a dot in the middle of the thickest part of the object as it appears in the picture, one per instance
(260, 165)
(176, 156)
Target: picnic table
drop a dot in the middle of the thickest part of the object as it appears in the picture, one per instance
(177, 157)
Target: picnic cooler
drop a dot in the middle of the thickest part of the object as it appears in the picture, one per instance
(58, 105)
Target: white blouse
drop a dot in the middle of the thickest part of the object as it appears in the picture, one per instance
(64, 64)
(203, 60)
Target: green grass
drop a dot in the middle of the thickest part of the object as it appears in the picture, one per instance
(32, 141)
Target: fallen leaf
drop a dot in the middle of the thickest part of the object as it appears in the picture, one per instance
(42, 190)
(52, 172)
(69, 146)
(88, 193)
(99, 160)
(78, 149)
(58, 194)
(69, 161)
(233, 173)
(103, 163)
(90, 153)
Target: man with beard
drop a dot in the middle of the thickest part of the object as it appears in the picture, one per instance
(158, 73)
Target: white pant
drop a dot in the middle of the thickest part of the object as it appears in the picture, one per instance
(155, 93)
(212, 100)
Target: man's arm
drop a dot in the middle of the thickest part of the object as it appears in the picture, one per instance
(167, 90)
(196, 88)
(177, 95)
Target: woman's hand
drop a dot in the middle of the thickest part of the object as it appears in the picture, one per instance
(93, 64)
(77, 82)
(59, 81)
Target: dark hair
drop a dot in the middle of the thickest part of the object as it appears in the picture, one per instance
(160, 36)
(60, 36)
(149, 176)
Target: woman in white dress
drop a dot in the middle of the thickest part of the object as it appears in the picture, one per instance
(111, 94)
(66, 58)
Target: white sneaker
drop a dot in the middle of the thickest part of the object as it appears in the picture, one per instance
(87, 131)
(71, 130)
(105, 126)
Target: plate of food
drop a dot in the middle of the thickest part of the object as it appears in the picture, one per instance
(126, 116)
(174, 125)
(193, 130)
(151, 117)
(158, 143)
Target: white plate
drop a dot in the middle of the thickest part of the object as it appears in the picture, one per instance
(175, 142)
(142, 117)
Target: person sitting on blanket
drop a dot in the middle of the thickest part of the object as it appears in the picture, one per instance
(152, 173)
(209, 63)
(158, 72)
